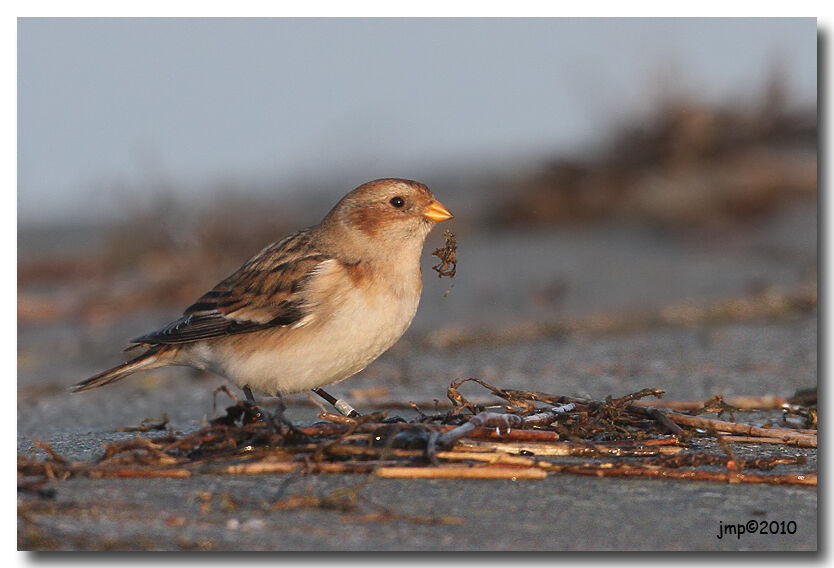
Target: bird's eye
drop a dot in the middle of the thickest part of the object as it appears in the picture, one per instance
(397, 202)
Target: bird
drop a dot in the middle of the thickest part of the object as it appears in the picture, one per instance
(311, 309)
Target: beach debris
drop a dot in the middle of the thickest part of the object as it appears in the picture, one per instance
(516, 435)
(448, 256)
(147, 425)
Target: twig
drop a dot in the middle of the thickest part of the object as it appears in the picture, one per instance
(784, 434)
(494, 458)
(337, 418)
(458, 472)
(507, 422)
(147, 425)
(316, 402)
(695, 475)
(757, 440)
(568, 449)
(136, 472)
(260, 468)
(732, 462)
(53, 455)
(453, 394)
(769, 402)
(658, 417)
(480, 420)
(548, 416)
(658, 393)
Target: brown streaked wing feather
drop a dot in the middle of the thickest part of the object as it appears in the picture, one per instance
(265, 292)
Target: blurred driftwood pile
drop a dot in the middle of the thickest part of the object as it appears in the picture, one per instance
(687, 166)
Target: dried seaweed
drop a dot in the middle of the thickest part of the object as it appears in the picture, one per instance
(448, 256)
(526, 437)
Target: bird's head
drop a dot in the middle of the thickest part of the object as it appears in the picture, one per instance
(388, 212)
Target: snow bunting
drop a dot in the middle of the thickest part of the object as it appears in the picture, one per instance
(312, 309)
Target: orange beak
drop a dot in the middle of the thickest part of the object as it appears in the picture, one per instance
(436, 212)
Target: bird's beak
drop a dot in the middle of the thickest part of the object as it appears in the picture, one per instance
(436, 212)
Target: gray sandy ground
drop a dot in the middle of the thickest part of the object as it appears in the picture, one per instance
(503, 281)
(558, 513)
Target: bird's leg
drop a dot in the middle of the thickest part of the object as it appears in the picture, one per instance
(342, 406)
(247, 392)
(283, 419)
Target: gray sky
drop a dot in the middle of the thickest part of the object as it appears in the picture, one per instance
(109, 106)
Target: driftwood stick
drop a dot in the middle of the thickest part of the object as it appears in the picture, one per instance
(548, 416)
(695, 475)
(809, 431)
(499, 458)
(474, 447)
(768, 402)
(336, 418)
(260, 468)
(759, 440)
(568, 449)
(344, 467)
(520, 435)
(53, 455)
(784, 434)
(658, 417)
(460, 472)
(504, 423)
(138, 472)
(500, 421)
(265, 468)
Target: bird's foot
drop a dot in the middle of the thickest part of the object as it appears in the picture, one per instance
(292, 429)
(277, 423)
(258, 412)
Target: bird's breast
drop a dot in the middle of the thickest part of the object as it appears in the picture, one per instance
(354, 317)
(379, 302)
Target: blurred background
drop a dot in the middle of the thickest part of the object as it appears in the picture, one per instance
(635, 199)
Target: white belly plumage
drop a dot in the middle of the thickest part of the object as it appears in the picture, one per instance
(331, 348)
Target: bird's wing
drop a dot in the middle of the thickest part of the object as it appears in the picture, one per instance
(265, 292)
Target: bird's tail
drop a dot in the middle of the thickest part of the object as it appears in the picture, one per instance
(154, 357)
